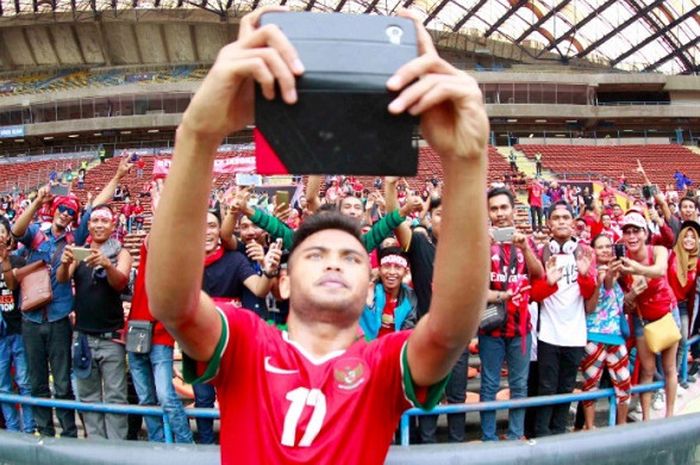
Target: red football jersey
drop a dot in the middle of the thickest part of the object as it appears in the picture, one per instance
(281, 405)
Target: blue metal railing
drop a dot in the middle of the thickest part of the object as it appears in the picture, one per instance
(110, 408)
(541, 401)
(443, 409)
(527, 402)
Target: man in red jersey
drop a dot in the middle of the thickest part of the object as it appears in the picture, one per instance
(318, 393)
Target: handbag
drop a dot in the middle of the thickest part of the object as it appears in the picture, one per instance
(660, 334)
(139, 336)
(495, 314)
(35, 285)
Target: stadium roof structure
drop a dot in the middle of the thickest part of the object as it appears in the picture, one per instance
(634, 35)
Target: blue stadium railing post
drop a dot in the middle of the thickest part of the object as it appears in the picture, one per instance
(684, 360)
(405, 436)
(167, 431)
(612, 414)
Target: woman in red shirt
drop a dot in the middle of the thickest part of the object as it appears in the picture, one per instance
(648, 296)
(682, 271)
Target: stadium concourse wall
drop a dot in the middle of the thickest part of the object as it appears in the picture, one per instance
(672, 441)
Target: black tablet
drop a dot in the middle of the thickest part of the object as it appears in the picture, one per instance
(340, 123)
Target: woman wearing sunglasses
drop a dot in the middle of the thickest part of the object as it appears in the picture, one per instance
(648, 295)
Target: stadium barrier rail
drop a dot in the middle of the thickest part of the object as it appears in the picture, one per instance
(672, 441)
(537, 401)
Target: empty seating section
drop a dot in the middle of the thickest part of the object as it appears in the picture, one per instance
(659, 161)
(79, 78)
(28, 175)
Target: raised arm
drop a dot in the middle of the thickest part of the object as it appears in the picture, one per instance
(313, 187)
(107, 192)
(239, 206)
(657, 270)
(25, 219)
(222, 105)
(454, 122)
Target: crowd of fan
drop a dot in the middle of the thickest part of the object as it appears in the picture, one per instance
(571, 303)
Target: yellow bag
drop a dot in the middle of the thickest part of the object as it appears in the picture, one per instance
(662, 333)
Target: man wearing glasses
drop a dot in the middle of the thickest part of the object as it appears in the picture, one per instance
(47, 330)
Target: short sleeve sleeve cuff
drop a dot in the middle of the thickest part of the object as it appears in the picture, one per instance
(195, 372)
(425, 398)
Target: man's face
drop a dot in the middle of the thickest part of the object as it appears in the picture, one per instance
(352, 207)
(101, 225)
(688, 210)
(606, 221)
(436, 221)
(500, 211)
(248, 231)
(392, 276)
(328, 278)
(211, 239)
(561, 223)
(63, 216)
(617, 211)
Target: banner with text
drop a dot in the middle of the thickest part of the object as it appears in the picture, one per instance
(221, 166)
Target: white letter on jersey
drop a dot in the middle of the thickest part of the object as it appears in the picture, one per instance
(300, 397)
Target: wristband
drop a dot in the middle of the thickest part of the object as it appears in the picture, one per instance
(271, 275)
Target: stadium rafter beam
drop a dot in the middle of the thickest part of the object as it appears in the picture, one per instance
(435, 11)
(340, 5)
(666, 35)
(371, 6)
(515, 6)
(619, 28)
(579, 25)
(664, 59)
(650, 38)
(458, 25)
(536, 26)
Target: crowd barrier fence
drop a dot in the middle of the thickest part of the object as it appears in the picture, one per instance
(672, 441)
(538, 401)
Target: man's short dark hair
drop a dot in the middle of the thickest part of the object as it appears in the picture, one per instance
(321, 222)
(496, 191)
(435, 202)
(216, 213)
(688, 199)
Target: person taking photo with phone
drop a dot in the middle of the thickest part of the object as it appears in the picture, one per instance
(608, 330)
(307, 393)
(649, 297)
(513, 265)
(99, 359)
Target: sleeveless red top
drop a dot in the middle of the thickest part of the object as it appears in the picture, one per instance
(657, 299)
